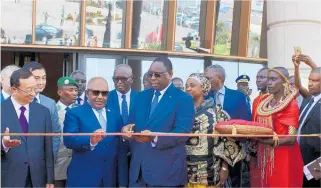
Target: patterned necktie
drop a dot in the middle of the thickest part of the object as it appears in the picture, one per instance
(23, 120)
(124, 110)
(302, 117)
(101, 119)
(154, 102)
(217, 99)
(35, 100)
(79, 100)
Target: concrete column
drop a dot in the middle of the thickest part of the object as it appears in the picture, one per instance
(293, 23)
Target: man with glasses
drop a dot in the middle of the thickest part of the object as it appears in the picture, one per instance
(5, 81)
(39, 72)
(159, 161)
(234, 103)
(67, 91)
(120, 101)
(146, 81)
(81, 80)
(178, 83)
(95, 156)
(26, 161)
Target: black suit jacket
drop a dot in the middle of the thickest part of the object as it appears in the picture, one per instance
(34, 151)
(311, 147)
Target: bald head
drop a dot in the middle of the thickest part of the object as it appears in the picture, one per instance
(123, 78)
(97, 91)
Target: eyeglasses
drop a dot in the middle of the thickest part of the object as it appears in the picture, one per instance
(97, 92)
(156, 74)
(27, 92)
(122, 79)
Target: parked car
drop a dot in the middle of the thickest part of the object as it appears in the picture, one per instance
(53, 31)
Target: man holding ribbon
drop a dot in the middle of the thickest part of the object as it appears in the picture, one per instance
(161, 160)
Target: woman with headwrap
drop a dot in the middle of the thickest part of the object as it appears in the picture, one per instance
(208, 158)
(279, 158)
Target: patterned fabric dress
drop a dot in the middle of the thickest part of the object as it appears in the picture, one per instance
(205, 154)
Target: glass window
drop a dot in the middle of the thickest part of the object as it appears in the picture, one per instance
(16, 21)
(57, 22)
(223, 28)
(244, 69)
(187, 25)
(231, 72)
(255, 28)
(104, 23)
(148, 27)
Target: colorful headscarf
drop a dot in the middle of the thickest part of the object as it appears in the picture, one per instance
(201, 79)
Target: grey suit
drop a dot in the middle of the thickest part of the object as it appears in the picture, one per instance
(35, 151)
(51, 105)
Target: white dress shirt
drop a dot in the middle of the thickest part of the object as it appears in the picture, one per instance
(63, 106)
(316, 99)
(120, 100)
(17, 107)
(5, 95)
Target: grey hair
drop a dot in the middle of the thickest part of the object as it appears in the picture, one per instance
(77, 72)
(219, 69)
(8, 70)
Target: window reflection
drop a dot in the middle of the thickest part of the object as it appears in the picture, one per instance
(57, 22)
(148, 27)
(16, 21)
(187, 25)
(255, 28)
(104, 23)
(223, 28)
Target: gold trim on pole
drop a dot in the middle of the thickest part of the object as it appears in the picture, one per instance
(128, 24)
(33, 29)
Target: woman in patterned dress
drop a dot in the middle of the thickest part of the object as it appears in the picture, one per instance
(208, 158)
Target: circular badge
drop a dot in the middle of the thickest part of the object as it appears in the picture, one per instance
(66, 81)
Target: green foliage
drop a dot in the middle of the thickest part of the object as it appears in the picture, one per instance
(222, 49)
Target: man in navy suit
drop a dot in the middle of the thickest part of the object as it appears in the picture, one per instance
(39, 72)
(121, 101)
(5, 81)
(160, 161)
(234, 103)
(25, 161)
(81, 80)
(94, 157)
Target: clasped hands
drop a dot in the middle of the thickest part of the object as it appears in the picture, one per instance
(142, 139)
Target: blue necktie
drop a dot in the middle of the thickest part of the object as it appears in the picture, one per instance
(79, 100)
(154, 102)
(304, 113)
(35, 100)
(124, 110)
(248, 103)
(67, 108)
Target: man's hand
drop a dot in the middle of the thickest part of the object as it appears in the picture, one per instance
(296, 60)
(128, 129)
(306, 59)
(224, 172)
(144, 139)
(97, 137)
(50, 186)
(7, 142)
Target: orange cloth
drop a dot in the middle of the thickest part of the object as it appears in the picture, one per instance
(288, 163)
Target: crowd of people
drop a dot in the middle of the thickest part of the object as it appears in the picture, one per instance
(166, 105)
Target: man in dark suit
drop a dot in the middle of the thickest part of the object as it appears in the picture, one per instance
(309, 120)
(81, 80)
(5, 81)
(39, 72)
(160, 161)
(121, 101)
(94, 157)
(25, 161)
(234, 103)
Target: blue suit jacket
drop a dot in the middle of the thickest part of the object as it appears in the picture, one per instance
(51, 105)
(35, 151)
(1, 98)
(235, 105)
(90, 168)
(164, 164)
(113, 104)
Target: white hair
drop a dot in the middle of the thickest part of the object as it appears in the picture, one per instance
(8, 70)
(219, 69)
